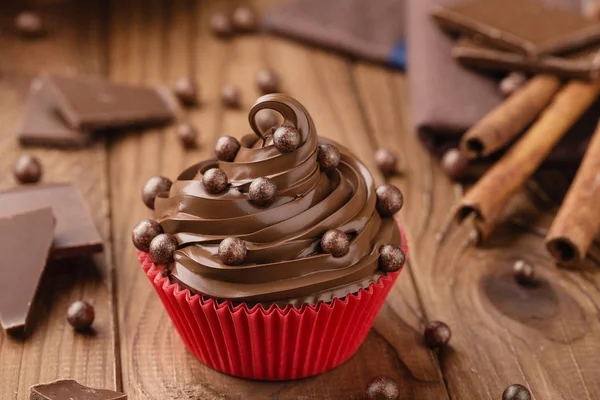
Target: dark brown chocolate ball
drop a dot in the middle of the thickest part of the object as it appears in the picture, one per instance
(232, 251)
(28, 169)
(389, 200)
(454, 163)
(144, 232)
(267, 81)
(29, 25)
(187, 134)
(328, 157)
(267, 119)
(382, 388)
(154, 186)
(162, 248)
(391, 258)
(214, 180)
(516, 392)
(286, 139)
(80, 315)
(437, 334)
(227, 148)
(220, 25)
(385, 161)
(335, 242)
(524, 272)
(230, 96)
(262, 191)
(186, 91)
(244, 19)
(511, 83)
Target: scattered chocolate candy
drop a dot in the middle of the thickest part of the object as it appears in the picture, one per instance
(382, 388)
(230, 96)
(328, 157)
(214, 180)
(391, 258)
(454, 163)
(267, 119)
(153, 187)
(232, 251)
(186, 91)
(389, 200)
(187, 134)
(511, 83)
(28, 169)
(335, 242)
(262, 191)
(29, 25)
(220, 25)
(144, 232)
(162, 248)
(81, 315)
(286, 139)
(516, 392)
(385, 161)
(267, 81)
(244, 19)
(437, 334)
(227, 148)
(524, 272)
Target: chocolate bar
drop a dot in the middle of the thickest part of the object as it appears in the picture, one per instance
(68, 389)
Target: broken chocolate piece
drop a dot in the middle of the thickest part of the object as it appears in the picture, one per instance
(25, 244)
(68, 389)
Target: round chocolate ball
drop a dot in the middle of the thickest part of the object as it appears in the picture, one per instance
(154, 186)
(29, 24)
(328, 157)
(220, 25)
(187, 134)
(186, 91)
(244, 19)
(232, 251)
(28, 169)
(382, 388)
(516, 392)
(454, 163)
(437, 334)
(524, 272)
(214, 180)
(262, 191)
(162, 248)
(286, 139)
(385, 161)
(511, 83)
(230, 96)
(80, 315)
(389, 200)
(267, 81)
(227, 148)
(391, 258)
(144, 232)
(335, 242)
(267, 119)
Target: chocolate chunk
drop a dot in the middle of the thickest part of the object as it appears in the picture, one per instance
(328, 157)
(28, 169)
(262, 191)
(516, 392)
(267, 81)
(153, 187)
(144, 232)
(385, 161)
(244, 19)
(391, 258)
(221, 25)
(80, 315)
(437, 334)
(68, 389)
(25, 245)
(29, 25)
(75, 234)
(511, 83)
(389, 200)
(335, 242)
(286, 139)
(187, 134)
(232, 251)
(186, 91)
(524, 272)
(214, 180)
(230, 96)
(226, 148)
(454, 163)
(382, 388)
(162, 248)
(267, 119)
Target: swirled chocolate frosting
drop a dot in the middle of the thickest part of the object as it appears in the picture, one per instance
(284, 262)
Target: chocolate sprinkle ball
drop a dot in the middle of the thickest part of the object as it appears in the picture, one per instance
(389, 200)
(28, 169)
(454, 163)
(516, 392)
(437, 334)
(232, 251)
(226, 148)
(262, 191)
(187, 134)
(144, 232)
(524, 272)
(214, 180)
(391, 258)
(511, 83)
(29, 25)
(162, 248)
(267, 81)
(230, 96)
(335, 242)
(328, 157)
(266, 119)
(153, 187)
(385, 161)
(80, 315)
(220, 25)
(286, 139)
(382, 388)
(244, 19)
(186, 91)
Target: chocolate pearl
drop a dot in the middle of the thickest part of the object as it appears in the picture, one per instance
(154, 186)
(232, 251)
(267, 81)
(391, 258)
(516, 392)
(162, 248)
(511, 83)
(227, 148)
(80, 315)
(382, 388)
(328, 157)
(335, 242)
(29, 25)
(230, 96)
(385, 161)
(28, 169)
(214, 180)
(454, 163)
(286, 139)
(187, 134)
(262, 191)
(144, 232)
(436, 334)
(389, 200)
(244, 19)
(524, 272)
(220, 25)
(266, 119)
(186, 91)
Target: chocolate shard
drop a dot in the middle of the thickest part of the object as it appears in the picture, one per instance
(68, 389)
(25, 244)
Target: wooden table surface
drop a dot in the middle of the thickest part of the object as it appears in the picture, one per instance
(545, 337)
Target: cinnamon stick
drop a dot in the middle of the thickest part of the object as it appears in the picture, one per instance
(501, 125)
(578, 218)
(490, 194)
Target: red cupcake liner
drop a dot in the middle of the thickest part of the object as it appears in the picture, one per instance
(274, 343)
